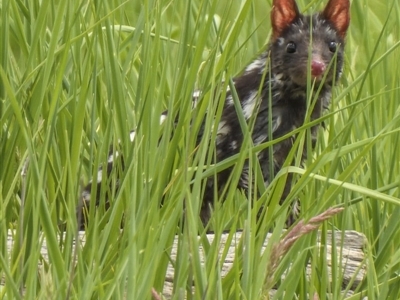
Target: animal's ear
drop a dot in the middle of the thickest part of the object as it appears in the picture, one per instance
(338, 13)
(283, 13)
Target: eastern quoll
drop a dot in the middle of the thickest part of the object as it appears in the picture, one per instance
(302, 49)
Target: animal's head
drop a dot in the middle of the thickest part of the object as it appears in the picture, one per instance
(302, 44)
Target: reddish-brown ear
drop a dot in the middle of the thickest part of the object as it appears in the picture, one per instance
(283, 13)
(338, 13)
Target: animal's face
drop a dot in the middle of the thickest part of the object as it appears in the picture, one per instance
(311, 46)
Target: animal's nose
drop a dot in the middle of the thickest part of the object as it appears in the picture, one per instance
(317, 68)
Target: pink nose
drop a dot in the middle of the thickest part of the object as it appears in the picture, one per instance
(317, 68)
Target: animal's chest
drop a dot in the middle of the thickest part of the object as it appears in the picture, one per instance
(268, 120)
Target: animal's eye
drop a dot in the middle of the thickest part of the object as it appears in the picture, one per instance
(291, 47)
(332, 46)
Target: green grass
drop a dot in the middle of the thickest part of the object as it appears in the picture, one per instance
(77, 76)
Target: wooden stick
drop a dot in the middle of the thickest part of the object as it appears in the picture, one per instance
(352, 255)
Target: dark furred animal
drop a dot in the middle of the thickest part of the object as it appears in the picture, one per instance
(302, 49)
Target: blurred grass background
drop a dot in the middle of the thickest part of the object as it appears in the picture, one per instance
(77, 76)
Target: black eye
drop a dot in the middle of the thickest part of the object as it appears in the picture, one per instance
(291, 47)
(332, 46)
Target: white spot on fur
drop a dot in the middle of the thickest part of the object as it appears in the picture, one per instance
(163, 118)
(112, 155)
(278, 78)
(234, 145)
(99, 175)
(223, 128)
(244, 178)
(259, 139)
(229, 100)
(248, 105)
(132, 135)
(196, 94)
(86, 196)
(257, 64)
(195, 98)
(276, 95)
(296, 208)
(276, 123)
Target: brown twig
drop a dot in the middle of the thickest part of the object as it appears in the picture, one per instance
(299, 230)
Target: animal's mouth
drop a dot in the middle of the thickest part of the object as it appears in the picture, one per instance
(317, 78)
